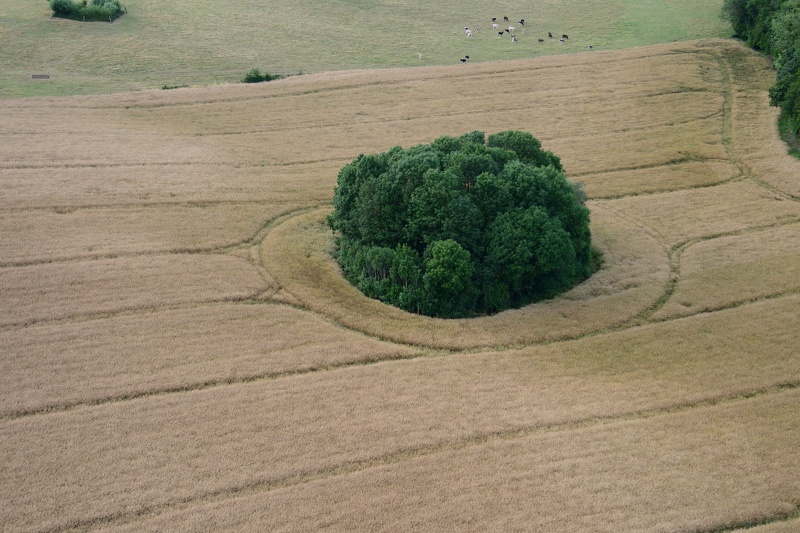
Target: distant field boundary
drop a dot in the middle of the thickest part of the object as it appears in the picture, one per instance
(207, 43)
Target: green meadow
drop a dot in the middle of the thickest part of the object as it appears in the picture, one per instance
(205, 42)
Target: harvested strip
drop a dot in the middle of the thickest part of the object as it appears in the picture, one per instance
(54, 366)
(52, 291)
(736, 269)
(35, 236)
(656, 146)
(699, 139)
(112, 146)
(699, 470)
(72, 187)
(759, 145)
(702, 213)
(126, 458)
(657, 179)
(658, 87)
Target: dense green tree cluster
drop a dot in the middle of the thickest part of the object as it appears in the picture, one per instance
(461, 226)
(774, 27)
(106, 10)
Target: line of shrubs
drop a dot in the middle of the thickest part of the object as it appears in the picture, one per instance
(255, 76)
(773, 26)
(105, 10)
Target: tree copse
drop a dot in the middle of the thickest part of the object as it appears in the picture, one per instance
(105, 10)
(461, 226)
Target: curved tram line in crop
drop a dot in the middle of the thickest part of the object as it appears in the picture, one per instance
(295, 388)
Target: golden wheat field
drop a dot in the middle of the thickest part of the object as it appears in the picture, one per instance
(180, 352)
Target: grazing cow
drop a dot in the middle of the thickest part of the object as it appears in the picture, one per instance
(511, 28)
(565, 36)
(550, 34)
(561, 41)
(521, 22)
(463, 60)
(589, 46)
(513, 38)
(494, 19)
(495, 26)
(505, 19)
(541, 40)
(501, 33)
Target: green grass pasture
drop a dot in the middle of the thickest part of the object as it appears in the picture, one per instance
(203, 42)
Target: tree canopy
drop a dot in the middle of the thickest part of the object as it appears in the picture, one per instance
(461, 226)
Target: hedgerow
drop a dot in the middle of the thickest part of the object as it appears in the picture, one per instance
(255, 76)
(94, 10)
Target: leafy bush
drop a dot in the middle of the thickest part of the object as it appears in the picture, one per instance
(255, 76)
(461, 226)
(104, 10)
(64, 8)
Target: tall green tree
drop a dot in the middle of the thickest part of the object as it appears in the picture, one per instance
(526, 146)
(380, 210)
(351, 178)
(447, 279)
(530, 253)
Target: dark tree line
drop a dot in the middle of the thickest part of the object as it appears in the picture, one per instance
(773, 26)
(461, 226)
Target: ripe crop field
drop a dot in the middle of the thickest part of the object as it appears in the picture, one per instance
(180, 352)
(201, 42)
